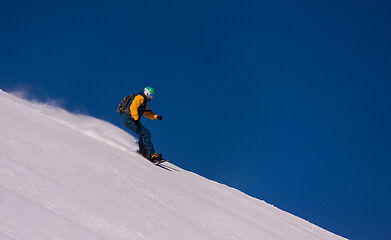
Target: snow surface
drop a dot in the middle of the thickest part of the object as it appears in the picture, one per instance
(74, 177)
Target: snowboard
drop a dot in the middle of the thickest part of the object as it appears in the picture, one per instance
(157, 162)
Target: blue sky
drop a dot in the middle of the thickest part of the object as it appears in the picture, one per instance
(288, 101)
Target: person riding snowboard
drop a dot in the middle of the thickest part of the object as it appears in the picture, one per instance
(131, 120)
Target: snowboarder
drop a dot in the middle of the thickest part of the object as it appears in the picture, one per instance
(134, 110)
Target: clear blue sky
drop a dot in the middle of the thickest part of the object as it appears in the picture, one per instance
(288, 101)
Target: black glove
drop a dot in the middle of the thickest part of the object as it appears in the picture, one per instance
(160, 118)
(137, 122)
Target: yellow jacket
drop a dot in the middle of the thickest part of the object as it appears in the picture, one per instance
(138, 108)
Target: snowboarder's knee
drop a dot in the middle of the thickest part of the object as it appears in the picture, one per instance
(145, 133)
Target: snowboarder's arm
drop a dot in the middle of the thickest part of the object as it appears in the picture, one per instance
(137, 101)
(149, 114)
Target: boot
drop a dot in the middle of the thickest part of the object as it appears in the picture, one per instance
(154, 157)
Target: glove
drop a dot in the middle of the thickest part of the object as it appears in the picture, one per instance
(137, 122)
(160, 118)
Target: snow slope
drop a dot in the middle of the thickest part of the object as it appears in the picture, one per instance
(67, 176)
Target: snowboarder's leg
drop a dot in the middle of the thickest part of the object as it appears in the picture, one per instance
(145, 136)
(142, 150)
(143, 133)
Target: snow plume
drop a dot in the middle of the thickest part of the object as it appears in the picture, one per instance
(95, 128)
(25, 93)
(74, 177)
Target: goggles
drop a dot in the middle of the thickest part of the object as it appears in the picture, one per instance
(151, 95)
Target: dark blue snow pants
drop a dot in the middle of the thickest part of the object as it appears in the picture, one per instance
(142, 132)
